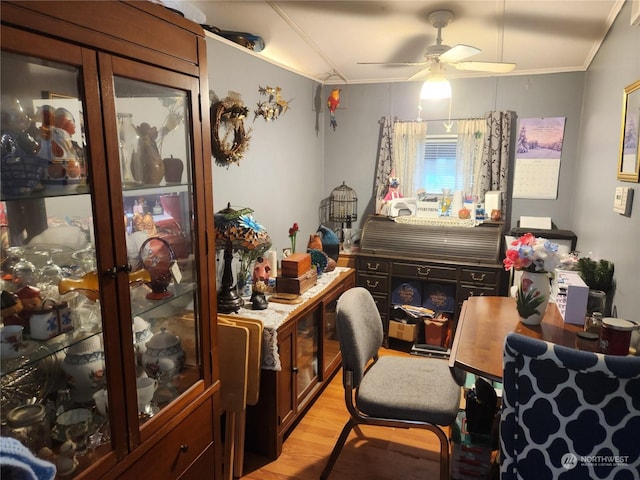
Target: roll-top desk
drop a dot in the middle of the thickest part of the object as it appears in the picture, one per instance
(466, 258)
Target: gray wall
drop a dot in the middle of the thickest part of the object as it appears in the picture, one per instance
(600, 230)
(295, 162)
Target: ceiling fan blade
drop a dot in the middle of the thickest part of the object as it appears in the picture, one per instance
(493, 67)
(396, 64)
(420, 74)
(458, 53)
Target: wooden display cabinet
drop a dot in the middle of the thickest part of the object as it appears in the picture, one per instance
(309, 356)
(97, 95)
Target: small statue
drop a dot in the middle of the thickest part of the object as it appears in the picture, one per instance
(146, 162)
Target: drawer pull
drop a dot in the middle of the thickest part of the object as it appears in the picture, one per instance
(184, 448)
(424, 271)
(371, 284)
(478, 278)
(373, 266)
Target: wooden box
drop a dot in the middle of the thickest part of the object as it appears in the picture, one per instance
(297, 285)
(295, 265)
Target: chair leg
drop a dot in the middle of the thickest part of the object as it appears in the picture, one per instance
(444, 454)
(335, 453)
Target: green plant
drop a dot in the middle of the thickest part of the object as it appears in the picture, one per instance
(598, 275)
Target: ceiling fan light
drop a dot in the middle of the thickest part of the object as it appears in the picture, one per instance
(436, 87)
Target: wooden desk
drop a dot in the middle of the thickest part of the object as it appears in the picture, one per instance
(485, 322)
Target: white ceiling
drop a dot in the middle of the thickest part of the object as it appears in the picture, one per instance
(325, 40)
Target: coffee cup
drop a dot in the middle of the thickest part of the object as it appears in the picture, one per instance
(146, 388)
(11, 341)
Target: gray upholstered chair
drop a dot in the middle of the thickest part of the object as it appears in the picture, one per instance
(567, 413)
(391, 391)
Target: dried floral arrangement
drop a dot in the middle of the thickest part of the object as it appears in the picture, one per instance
(274, 106)
(227, 118)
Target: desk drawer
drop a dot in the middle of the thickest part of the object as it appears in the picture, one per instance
(466, 291)
(374, 283)
(382, 302)
(175, 452)
(424, 271)
(477, 276)
(372, 265)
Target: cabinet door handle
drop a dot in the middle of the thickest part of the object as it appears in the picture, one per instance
(184, 447)
(113, 271)
(371, 284)
(424, 271)
(373, 266)
(294, 369)
(478, 278)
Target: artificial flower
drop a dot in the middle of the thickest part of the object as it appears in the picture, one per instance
(293, 232)
(532, 254)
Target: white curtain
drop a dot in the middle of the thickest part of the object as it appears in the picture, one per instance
(408, 147)
(471, 137)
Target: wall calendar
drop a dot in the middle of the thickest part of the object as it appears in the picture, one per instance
(538, 152)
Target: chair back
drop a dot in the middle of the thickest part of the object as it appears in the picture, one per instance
(568, 413)
(359, 329)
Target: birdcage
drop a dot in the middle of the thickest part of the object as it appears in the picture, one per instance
(343, 205)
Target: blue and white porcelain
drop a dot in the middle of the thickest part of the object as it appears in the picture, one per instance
(164, 355)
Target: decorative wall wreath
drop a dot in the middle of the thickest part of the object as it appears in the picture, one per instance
(229, 140)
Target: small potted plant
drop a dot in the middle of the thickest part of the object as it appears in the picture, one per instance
(598, 275)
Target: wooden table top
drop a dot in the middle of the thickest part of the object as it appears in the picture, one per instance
(485, 322)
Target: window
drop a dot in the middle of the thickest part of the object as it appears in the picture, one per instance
(439, 166)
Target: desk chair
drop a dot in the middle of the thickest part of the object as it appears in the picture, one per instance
(400, 392)
(563, 408)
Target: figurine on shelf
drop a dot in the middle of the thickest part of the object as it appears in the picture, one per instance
(11, 309)
(146, 162)
(66, 461)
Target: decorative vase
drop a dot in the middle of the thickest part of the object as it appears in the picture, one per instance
(84, 367)
(532, 297)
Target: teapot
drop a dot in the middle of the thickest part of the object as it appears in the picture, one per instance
(84, 368)
(164, 355)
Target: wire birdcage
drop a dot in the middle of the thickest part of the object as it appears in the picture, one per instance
(343, 205)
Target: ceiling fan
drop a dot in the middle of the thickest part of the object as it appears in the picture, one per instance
(438, 54)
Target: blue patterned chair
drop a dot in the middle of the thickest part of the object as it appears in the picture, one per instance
(568, 414)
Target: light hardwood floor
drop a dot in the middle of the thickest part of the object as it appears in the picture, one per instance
(381, 454)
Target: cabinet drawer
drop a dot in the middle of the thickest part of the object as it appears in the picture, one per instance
(475, 276)
(372, 265)
(382, 302)
(424, 271)
(467, 291)
(373, 283)
(175, 452)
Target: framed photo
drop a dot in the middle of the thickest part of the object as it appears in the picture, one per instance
(629, 158)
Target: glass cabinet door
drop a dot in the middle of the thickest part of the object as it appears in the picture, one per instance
(307, 339)
(53, 371)
(155, 158)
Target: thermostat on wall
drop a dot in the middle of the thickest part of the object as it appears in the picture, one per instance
(623, 200)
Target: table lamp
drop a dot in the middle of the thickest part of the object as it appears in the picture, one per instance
(236, 230)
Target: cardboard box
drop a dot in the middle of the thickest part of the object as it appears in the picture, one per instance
(295, 265)
(404, 331)
(297, 285)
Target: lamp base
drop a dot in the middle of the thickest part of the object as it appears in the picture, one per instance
(229, 301)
